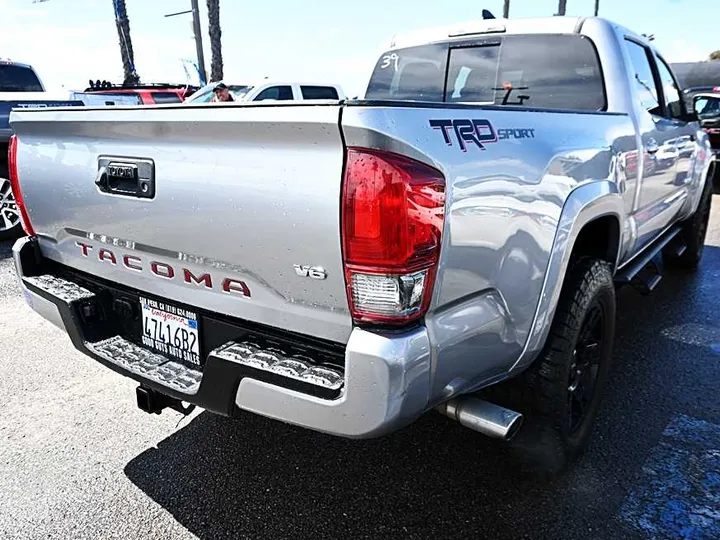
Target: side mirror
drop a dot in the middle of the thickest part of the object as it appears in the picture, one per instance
(706, 107)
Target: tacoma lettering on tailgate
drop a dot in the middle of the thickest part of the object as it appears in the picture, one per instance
(163, 270)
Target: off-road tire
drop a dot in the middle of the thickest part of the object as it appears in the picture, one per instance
(542, 392)
(694, 230)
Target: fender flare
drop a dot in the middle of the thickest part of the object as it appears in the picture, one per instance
(585, 204)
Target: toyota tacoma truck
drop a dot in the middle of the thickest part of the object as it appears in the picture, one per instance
(450, 242)
(20, 87)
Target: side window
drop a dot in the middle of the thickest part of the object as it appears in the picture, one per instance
(644, 83)
(166, 97)
(203, 98)
(673, 99)
(319, 92)
(280, 93)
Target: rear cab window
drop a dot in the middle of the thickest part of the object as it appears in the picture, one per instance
(16, 78)
(412, 74)
(539, 71)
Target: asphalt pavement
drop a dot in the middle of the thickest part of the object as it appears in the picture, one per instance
(79, 460)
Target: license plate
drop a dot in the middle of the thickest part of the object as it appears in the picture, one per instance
(170, 330)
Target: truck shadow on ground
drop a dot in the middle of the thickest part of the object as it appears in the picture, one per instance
(255, 477)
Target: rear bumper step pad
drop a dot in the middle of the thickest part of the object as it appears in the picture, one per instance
(215, 387)
(127, 355)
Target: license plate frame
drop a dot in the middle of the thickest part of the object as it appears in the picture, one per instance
(175, 332)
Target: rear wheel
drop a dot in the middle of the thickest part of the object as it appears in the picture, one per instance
(560, 393)
(9, 213)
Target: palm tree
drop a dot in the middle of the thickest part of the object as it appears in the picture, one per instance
(506, 9)
(130, 76)
(216, 64)
(561, 7)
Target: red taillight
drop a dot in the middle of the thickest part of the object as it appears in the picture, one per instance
(392, 220)
(15, 185)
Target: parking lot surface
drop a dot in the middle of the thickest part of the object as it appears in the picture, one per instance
(79, 460)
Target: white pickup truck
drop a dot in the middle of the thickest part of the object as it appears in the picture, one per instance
(271, 90)
(452, 241)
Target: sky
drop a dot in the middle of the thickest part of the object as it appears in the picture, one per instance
(71, 41)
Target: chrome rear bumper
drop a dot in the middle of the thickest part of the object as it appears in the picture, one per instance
(384, 385)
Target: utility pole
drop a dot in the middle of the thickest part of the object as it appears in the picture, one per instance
(597, 7)
(198, 36)
(562, 5)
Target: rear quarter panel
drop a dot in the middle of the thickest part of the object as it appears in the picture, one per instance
(504, 200)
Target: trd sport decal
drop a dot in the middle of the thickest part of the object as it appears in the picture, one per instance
(466, 131)
(478, 132)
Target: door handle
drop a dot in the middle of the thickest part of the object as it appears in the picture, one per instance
(651, 146)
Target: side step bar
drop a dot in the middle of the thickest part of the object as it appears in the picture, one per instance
(644, 272)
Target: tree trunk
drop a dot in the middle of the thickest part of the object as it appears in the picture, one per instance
(561, 7)
(216, 64)
(506, 9)
(130, 76)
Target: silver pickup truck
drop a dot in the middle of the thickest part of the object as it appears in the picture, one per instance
(452, 241)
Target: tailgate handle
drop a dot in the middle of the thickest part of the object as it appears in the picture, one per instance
(130, 177)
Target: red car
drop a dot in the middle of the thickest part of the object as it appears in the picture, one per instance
(148, 94)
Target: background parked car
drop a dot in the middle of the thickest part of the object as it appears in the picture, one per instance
(20, 88)
(707, 107)
(697, 78)
(271, 90)
(148, 94)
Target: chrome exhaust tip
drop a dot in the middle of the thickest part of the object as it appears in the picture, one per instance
(482, 416)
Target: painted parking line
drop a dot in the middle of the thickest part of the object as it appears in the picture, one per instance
(678, 495)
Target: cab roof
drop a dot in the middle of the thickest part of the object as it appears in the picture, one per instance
(548, 25)
(8, 62)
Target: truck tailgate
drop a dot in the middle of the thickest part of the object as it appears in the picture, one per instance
(245, 217)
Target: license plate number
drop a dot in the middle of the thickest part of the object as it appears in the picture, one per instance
(170, 330)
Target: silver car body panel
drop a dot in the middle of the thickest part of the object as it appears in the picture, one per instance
(504, 205)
